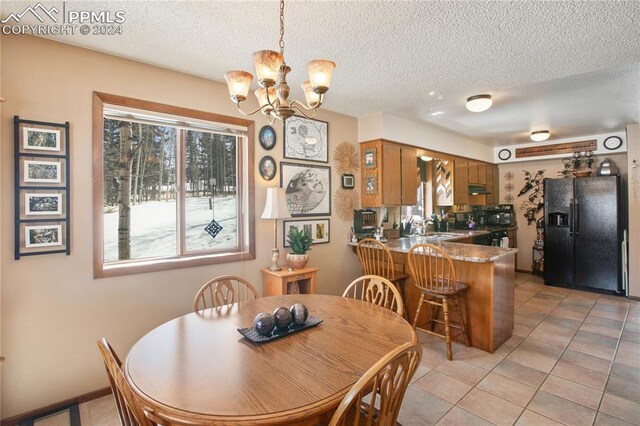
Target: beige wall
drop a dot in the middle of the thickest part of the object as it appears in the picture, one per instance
(527, 233)
(633, 164)
(53, 311)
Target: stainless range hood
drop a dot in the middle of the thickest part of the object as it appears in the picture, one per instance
(478, 189)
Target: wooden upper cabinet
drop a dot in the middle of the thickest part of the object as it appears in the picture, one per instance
(473, 172)
(391, 175)
(495, 188)
(482, 174)
(388, 174)
(409, 177)
(461, 181)
(489, 182)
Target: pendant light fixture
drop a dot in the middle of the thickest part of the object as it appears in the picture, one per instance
(540, 135)
(479, 103)
(273, 94)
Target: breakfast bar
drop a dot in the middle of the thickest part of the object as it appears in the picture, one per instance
(489, 273)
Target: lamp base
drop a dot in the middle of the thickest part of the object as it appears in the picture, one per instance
(275, 256)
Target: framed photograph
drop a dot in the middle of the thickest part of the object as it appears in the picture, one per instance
(42, 204)
(306, 139)
(40, 139)
(267, 167)
(307, 189)
(42, 171)
(371, 184)
(267, 137)
(348, 181)
(42, 236)
(370, 158)
(319, 229)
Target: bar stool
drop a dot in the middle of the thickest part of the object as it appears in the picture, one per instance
(435, 276)
(376, 259)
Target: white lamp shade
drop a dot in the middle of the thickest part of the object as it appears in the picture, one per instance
(479, 103)
(275, 206)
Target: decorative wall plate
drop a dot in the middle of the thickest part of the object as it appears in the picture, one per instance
(345, 202)
(267, 137)
(612, 143)
(345, 158)
(267, 167)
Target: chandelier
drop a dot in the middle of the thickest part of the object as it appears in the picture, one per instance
(273, 93)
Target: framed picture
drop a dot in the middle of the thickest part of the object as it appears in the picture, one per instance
(40, 139)
(42, 236)
(370, 158)
(371, 184)
(307, 189)
(42, 204)
(319, 229)
(42, 171)
(348, 181)
(267, 137)
(267, 167)
(306, 139)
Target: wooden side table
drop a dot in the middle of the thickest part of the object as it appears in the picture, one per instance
(281, 282)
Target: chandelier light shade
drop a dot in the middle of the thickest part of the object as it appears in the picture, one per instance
(273, 94)
(479, 103)
(540, 135)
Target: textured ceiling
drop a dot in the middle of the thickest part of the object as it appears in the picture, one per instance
(406, 57)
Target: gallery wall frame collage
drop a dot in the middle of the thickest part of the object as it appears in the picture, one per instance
(307, 186)
(42, 188)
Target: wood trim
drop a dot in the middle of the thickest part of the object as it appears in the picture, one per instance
(246, 214)
(12, 421)
(442, 155)
(558, 148)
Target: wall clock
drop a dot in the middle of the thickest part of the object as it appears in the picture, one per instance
(612, 143)
(504, 154)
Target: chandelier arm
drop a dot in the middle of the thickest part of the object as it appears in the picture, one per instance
(301, 105)
(298, 106)
(249, 113)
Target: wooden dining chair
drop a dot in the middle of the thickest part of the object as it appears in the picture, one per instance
(129, 409)
(376, 259)
(377, 290)
(435, 275)
(389, 377)
(223, 290)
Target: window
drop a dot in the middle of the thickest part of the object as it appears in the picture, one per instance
(172, 187)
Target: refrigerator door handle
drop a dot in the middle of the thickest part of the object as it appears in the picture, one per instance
(576, 229)
(571, 218)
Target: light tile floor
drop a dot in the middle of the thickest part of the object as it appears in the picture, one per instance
(574, 359)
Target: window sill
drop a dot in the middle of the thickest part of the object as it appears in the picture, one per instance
(152, 265)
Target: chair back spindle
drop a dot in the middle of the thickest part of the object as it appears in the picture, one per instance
(376, 258)
(223, 290)
(377, 290)
(432, 268)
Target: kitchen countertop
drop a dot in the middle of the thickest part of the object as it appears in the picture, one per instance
(457, 251)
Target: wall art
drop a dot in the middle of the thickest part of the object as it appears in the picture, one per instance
(267, 167)
(345, 158)
(306, 139)
(267, 137)
(318, 228)
(307, 189)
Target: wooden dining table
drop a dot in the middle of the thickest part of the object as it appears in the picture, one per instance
(198, 369)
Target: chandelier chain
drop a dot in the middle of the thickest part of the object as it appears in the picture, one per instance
(282, 27)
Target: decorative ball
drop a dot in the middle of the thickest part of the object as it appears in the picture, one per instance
(264, 323)
(299, 313)
(282, 317)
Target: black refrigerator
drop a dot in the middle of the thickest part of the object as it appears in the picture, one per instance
(583, 233)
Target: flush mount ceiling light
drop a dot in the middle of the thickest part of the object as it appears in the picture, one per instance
(540, 135)
(479, 103)
(273, 93)
(426, 158)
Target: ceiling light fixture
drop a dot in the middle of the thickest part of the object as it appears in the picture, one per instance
(426, 158)
(540, 135)
(273, 93)
(479, 103)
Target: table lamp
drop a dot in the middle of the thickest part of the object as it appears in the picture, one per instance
(275, 208)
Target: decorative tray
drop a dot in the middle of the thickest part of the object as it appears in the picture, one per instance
(252, 335)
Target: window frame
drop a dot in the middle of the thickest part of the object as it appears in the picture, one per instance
(246, 193)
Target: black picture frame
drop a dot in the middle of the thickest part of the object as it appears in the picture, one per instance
(348, 181)
(298, 131)
(268, 167)
(317, 225)
(307, 188)
(267, 137)
(42, 198)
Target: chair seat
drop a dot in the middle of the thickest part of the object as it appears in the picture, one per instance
(441, 291)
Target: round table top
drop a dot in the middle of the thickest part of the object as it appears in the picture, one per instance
(198, 368)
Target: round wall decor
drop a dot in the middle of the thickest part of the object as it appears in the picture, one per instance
(267, 167)
(612, 143)
(267, 137)
(504, 154)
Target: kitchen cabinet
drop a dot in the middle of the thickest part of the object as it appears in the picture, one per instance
(461, 181)
(492, 184)
(388, 174)
(473, 171)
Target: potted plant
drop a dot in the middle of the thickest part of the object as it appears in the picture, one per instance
(300, 242)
